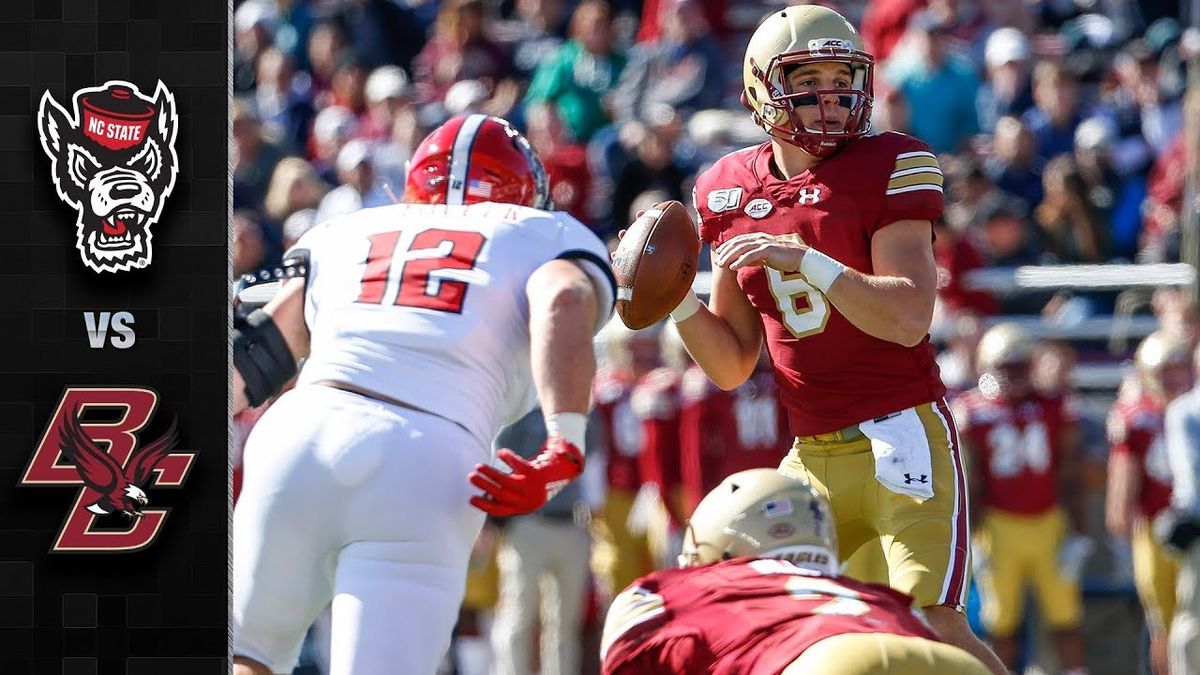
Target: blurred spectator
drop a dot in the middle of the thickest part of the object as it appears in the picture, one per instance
(941, 87)
(1116, 201)
(325, 43)
(539, 29)
(651, 168)
(1056, 110)
(1007, 240)
(543, 562)
(968, 190)
(651, 26)
(885, 23)
(381, 32)
(358, 189)
(459, 50)
(392, 155)
(1014, 165)
(1159, 240)
(565, 160)
(967, 27)
(249, 247)
(387, 93)
(579, 76)
(295, 22)
(1072, 230)
(892, 113)
(295, 185)
(1159, 116)
(955, 256)
(1007, 89)
(282, 100)
(333, 128)
(296, 225)
(253, 29)
(347, 89)
(254, 157)
(682, 68)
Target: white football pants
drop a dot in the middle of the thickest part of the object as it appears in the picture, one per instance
(354, 501)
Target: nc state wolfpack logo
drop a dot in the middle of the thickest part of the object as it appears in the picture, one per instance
(113, 159)
(106, 461)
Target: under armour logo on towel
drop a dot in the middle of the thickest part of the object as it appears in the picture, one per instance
(909, 480)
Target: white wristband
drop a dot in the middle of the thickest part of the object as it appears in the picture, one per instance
(820, 270)
(687, 307)
(569, 426)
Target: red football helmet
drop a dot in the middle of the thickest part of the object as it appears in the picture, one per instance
(476, 158)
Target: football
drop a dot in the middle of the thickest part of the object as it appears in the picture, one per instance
(655, 264)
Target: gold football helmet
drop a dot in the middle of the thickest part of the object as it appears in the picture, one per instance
(762, 513)
(1002, 345)
(1164, 364)
(796, 36)
(1003, 359)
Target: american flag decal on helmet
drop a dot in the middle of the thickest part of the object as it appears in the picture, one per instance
(479, 188)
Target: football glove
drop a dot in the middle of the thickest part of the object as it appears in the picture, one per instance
(530, 484)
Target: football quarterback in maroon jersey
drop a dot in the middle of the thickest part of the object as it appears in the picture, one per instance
(822, 244)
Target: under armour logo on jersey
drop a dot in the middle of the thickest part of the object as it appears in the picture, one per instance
(909, 480)
(809, 196)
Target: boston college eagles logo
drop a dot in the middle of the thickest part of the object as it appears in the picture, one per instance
(112, 159)
(93, 442)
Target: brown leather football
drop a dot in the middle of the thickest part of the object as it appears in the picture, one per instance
(655, 264)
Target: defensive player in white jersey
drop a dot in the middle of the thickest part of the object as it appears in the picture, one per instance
(422, 323)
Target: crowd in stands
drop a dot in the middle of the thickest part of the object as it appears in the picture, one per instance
(1059, 125)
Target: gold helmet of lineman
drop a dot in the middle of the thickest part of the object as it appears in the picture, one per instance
(800, 35)
(1002, 345)
(1164, 363)
(765, 514)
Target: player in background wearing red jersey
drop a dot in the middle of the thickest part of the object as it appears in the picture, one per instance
(758, 594)
(618, 555)
(1139, 478)
(1023, 450)
(656, 402)
(822, 241)
(723, 432)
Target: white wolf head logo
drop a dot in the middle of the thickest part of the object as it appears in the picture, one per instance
(114, 161)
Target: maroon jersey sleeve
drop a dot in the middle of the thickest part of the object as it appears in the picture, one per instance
(913, 190)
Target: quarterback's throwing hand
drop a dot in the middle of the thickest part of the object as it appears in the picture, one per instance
(530, 484)
(782, 252)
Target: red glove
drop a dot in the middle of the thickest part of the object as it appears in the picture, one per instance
(530, 484)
